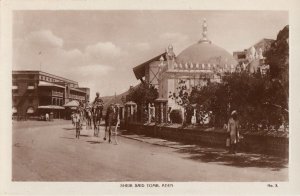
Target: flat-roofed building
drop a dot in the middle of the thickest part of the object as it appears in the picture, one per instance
(252, 58)
(35, 93)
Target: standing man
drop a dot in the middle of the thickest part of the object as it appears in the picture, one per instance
(47, 117)
(233, 130)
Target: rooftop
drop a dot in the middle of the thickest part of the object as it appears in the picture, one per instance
(42, 73)
(139, 70)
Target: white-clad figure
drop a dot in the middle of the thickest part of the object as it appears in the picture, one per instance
(260, 53)
(47, 117)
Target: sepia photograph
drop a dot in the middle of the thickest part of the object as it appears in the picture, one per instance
(147, 98)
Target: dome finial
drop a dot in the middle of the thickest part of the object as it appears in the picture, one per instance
(204, 29)
(204, 32)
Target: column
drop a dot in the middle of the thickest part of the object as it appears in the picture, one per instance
(126, 113)
(153, 112)
(157, 116)
(134, 113)
(123, 112)
(161, 112)
(149, 113)
(131, 113)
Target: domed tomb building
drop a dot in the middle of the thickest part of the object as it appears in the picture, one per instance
(194, 65)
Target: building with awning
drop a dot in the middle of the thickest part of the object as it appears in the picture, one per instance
(73, 103)
(36, 93)
(51, 107)
(70, 107)
(30, 110)
(58, 111)
(48, 84)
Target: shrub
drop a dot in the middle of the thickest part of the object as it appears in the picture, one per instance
(176, 116)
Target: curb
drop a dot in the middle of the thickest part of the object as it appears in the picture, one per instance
(144, 141)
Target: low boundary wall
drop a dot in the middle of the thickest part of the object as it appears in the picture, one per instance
(252, 141)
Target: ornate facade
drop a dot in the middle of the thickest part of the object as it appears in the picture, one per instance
(195, 65)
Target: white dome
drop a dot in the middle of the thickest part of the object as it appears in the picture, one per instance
(206, 53)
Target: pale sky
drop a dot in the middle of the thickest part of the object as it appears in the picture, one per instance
(99, 48)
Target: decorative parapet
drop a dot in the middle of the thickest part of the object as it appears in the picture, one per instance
(200, 67)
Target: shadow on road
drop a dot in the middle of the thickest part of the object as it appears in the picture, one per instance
(203, 153)
(94, 142)
(68, 138)
(84, 135)
(69, 129)
(207, 155)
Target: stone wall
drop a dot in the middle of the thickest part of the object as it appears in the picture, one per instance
(251, 142)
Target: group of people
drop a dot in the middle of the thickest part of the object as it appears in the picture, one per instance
(94, 114)
(112, 121)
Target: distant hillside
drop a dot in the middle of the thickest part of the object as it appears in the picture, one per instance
(264, 44)
(115, 99)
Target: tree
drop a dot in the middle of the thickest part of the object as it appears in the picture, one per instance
(278, 59)
(142, 94)
(181, 97)
(278, 55)
(252, 95)
(257, 98)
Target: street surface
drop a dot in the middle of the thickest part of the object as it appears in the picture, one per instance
(49, 151)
